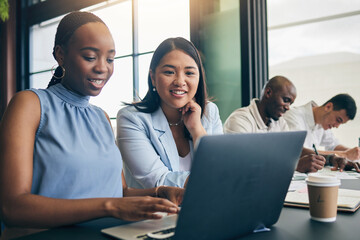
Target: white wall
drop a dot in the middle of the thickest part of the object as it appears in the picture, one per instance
(319, 78)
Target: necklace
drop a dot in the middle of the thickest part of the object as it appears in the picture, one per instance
(175, 124)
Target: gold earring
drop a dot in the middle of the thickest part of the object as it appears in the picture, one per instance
(53, 72)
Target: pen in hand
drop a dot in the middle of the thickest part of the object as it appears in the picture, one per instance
(316, 152)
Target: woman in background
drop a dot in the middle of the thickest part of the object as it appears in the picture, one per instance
(59, 163)
(157, 135)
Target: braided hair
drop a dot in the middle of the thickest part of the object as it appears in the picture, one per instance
(64, 32)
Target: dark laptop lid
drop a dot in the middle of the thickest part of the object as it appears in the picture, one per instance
(238, 183)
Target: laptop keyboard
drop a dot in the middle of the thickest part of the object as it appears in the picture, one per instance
(165, 234)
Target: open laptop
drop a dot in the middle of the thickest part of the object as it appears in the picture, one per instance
(237, 185)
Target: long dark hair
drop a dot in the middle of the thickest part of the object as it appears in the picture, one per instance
(64, 32)
(151, 101)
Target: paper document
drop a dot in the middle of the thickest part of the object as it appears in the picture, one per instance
(296, 185)
(299, 176)
(327, 171)
(340, 175)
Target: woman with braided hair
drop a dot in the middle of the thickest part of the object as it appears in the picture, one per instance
(59, 163)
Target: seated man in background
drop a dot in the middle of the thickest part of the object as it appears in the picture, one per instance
(318, 121)
(265, 115)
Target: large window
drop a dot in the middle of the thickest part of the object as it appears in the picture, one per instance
(316, 45)
(138, 28)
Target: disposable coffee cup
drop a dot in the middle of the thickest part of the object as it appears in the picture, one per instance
(323, 196)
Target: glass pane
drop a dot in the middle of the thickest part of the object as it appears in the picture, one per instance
(119, 88)
(322, 59)
(42, 37)
(282, 12)
(144, 66)
(220, 40)
(340, 35)
(118, 18)
(40, 80)
(161, 19)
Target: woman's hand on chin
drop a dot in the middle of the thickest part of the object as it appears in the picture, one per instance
(191, 113)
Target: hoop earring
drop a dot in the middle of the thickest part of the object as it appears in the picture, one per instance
(154, 89)
(53, 72)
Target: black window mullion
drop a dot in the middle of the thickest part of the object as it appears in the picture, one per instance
(254, 62)
(23, 47)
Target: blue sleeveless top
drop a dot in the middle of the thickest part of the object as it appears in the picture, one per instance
(75, 155)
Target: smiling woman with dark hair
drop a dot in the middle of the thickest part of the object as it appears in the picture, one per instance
(156, 136)
(59, 163)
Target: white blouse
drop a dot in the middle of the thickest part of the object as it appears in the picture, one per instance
(185, 163)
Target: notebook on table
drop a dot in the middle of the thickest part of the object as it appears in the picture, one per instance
(348, 200)
(237, 186)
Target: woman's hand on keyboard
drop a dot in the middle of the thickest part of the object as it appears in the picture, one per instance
(174, 194)
(139, 208)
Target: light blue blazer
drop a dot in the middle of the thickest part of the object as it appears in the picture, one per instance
(148, 148)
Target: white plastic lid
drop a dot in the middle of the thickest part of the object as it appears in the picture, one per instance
(322, 180)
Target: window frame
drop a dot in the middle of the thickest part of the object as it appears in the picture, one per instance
(38, 12)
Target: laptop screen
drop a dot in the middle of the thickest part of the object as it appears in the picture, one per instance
(238, 183)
